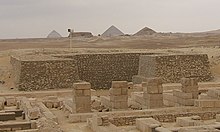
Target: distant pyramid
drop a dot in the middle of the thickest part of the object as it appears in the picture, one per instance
(54, 34)
(112, 32)
(145, 31)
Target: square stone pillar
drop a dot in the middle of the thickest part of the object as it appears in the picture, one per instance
(81, 97)
(190, 85)
(119, 95)
(153, 93)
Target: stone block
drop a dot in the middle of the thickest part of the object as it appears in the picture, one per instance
(217, 117)
(183, 95)
(82, 86)
(124, 105)
(153, 97)
(115, 91)
(170, 97)
(2, 103)
(217, 103)
(147, 124)
(185, 102)
(214, 93)
(153, 104)
(124, 91)
(34, 113)
(168, 103)
(153, 85)
(87, 92)
(10, 100)
(204, 96)
(154, 81)
(119, 98)
(119, 84)
(205, 103)
(184, 121)
(78, 92)
(49, 105)
(74, 118)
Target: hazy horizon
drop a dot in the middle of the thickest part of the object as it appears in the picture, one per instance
(36, 19)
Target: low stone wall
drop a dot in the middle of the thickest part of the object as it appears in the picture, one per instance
(128, 120)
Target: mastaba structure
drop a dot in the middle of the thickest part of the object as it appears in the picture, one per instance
(54, 34)
(145, 31)
(112, 32)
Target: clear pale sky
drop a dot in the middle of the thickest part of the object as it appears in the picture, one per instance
(36, 18)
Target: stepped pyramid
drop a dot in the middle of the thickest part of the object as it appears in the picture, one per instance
(145, 31)
(112, 32)
(54, 34)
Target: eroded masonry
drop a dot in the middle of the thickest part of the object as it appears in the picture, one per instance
(49, 70)
(139, 94)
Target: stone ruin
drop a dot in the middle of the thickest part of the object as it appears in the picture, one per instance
(53, 70)
(115, 111)
(138, 99)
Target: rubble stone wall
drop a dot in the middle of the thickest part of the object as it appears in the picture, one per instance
(39, 75)
(100, 69)
(171, 68)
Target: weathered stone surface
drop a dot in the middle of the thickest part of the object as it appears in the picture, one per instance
(171, 68)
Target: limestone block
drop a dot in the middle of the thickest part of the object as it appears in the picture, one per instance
(184, 121)
(124, 91)
(2, 103)
(124, 105)
(153, 85)
(49, 105)
(168, 103)
(147, 124)
(170, 97)
(204, 96)
(10, 100)
(214, 93)
(74, 118)
(87, 92)
(153, 97)
(217, 104)
(119, 98)
(154, 81)
(180, 94)
(217, 117)
(82, 86)
(162, 129)
(119, 84)
(205, 103)
(115, 91)
(153, 104)
(185, 102)
(137, 88)
(34, 113)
